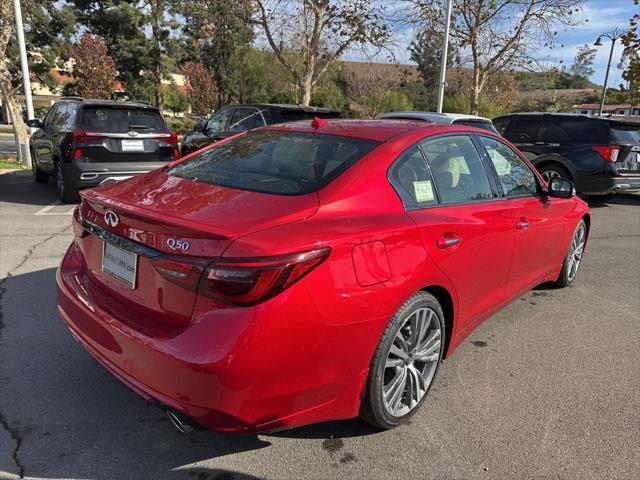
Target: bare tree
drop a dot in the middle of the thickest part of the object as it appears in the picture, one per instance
(7, 20)
(307, 36)
(499, 34)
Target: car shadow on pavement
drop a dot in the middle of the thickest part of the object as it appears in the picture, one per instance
(74, 420)
(18, 187)
(619, 199)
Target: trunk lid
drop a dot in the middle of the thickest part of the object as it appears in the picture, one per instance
(627, 136)
(157, 217)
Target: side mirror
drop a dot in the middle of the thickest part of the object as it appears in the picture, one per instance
(561, 188)
(198, 127)
(34, 123)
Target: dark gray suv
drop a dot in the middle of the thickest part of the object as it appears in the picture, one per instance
(84, 143)
(599, 154)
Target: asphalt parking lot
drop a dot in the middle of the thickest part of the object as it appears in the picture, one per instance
(547, 388)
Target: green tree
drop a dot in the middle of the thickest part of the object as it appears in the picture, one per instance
(94, 70)
(175, 99)
(382, 100)
(582, 67)
(426, 51)
(219, 34)
(631, 55)
(317, 32)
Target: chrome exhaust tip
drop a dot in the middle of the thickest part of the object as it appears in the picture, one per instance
(178, 420)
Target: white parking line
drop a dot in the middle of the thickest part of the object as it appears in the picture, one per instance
(57, 203)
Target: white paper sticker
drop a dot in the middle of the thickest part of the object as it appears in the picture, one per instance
(424, 191)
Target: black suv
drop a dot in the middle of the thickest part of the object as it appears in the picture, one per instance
(84, 143)
(599, 154)
(233, 119)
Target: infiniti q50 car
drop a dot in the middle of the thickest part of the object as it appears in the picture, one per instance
(311, 271)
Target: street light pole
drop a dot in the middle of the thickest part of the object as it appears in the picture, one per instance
(613, 36)
(443, 60)
(26, 81)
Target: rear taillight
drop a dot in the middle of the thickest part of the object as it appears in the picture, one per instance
(77, 153)
(89, 138)
(171, 137)
(250, 281)
(240, 282)
(176, 154)
(607, 152)
(78, 228)
(183, 271)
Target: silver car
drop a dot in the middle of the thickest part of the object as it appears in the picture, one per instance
(448, 118)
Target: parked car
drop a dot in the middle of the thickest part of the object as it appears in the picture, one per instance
(447, 118)
(311, 271)
(599, 154)
(84, 143)
(233, 119)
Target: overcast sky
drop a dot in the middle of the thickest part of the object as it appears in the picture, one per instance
(599, 16)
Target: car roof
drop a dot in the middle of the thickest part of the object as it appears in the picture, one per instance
(378, 129)
(110, 103)
(285, 106)
(434, 116)
(606, 118)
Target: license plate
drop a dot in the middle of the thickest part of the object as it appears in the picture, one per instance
(119, 264)
(133, 145)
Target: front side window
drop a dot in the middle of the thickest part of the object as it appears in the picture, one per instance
(457, 169)
(516, 178)
(245, 119)
(285, 163)
(218, 122)
(411, 180)
(48, 119)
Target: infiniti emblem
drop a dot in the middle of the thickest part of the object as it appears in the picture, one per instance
(111, 218)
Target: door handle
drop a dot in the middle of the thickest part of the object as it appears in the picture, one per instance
(522, 224)
(448, 240)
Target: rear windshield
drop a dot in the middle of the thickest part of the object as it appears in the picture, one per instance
(478, 124)
(284, 163)
(121, 120)
(625, 133)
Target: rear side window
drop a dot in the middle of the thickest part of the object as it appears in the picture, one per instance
(515, 176)
(625, 133)
(120, 120)
(523, 129)
(457, 169)
(285, 163)
(411, 180)
(577, 130)
(245, 119)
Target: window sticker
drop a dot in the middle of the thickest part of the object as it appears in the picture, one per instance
(423, 191)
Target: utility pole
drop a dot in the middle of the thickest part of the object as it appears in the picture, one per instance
(24, 148)
(613, 36)
(443, 60)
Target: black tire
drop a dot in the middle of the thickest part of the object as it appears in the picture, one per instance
(38, 175)
(549, 170)
(65, 192)
(567, 276)
(372, 409)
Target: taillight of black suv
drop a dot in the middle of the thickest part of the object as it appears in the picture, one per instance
(84, 143)
(599, 154)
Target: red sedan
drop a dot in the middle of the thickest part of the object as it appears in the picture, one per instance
(311, 271)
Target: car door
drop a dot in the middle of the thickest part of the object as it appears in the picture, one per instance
(525, 132)
(537, 219)
(464, 227)
(41, 142)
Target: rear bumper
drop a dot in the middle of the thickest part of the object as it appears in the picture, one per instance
(81, 175)
(604, 184)
(229, 371)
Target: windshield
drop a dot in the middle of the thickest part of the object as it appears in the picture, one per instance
(121, 120)
(625, 133)
(285, 163)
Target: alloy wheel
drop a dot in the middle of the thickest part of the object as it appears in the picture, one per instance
(575, 252)
(411, 362)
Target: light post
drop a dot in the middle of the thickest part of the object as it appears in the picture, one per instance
(26, 81)
(443, 60)
(613, 36)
